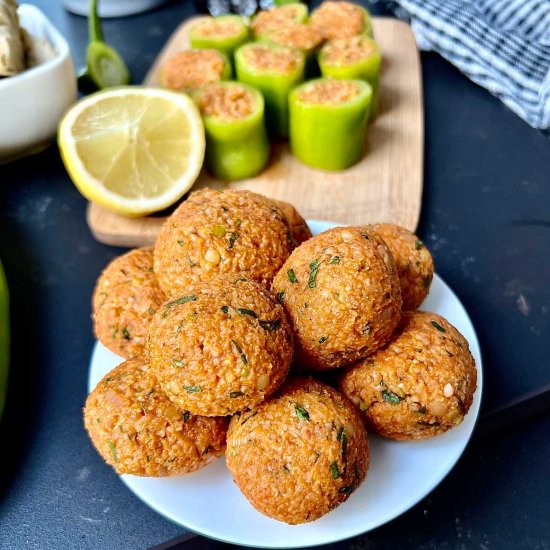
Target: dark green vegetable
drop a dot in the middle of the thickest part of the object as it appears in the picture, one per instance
(225, 309)
(192, 389)
(292, 276)
(334, 470)
(356, 472)
(270, 326)
(280, 296)
(427, 281)
(301, 413)
(232, 238)
(418, 244)
(346, 490)
(185, 416)
(178, 302)
(323, 339)
(114, 451)
(240, 352)
(313, 269)
(177, 363)
(126, 334)
(244, 311)
(235, 394)
(391, 397)
(438, 327)
(334, 260)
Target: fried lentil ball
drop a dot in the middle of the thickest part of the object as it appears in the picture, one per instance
(221, 348)
(216, 232)
(126, 298)
(298, 226)
(139, 431)
(413, 260)
(300, 454)
(341, 292)
(420, 385)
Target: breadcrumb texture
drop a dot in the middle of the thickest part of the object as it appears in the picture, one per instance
(193, 68)
(223, 347)
(338, 19)
(346, 51)
(420, 385)
(222, 232)
(414, 263)
(297, 35)
(139, 431)
(300, 454)
(275, 18)
(126, 297)
(341, 292)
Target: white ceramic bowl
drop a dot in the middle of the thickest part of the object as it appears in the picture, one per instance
(112, 8)
(33, 102)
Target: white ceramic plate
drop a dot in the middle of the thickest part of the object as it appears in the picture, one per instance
(400, 474)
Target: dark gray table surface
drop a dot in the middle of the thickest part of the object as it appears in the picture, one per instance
(486, 218)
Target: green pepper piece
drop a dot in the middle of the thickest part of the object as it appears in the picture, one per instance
(210, 33)
(257, 64)
(104, 66)
(4, 338)
(236, 148)
(334, 61)
(325, 133)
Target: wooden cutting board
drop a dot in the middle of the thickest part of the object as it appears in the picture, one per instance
(386, 186)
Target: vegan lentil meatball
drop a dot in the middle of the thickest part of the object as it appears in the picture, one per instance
(413, 260)
(341, 293)
(125, 300)
(139, 431)
(215, 232)
(420, 385)
(298, 226)
(300, 454)
(221, 348)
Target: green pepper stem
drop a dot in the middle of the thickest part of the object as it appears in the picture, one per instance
(94, 23)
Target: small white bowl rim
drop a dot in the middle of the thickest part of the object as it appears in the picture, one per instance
(58, 43)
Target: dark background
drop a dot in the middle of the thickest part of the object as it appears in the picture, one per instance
(485, 217)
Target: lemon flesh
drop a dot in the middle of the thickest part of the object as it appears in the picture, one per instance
(133, 150)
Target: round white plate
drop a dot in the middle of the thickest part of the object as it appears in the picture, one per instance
(401, 473)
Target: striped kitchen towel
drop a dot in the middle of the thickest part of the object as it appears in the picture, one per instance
(502, 45)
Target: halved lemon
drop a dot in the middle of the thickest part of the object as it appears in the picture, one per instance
(134, 150)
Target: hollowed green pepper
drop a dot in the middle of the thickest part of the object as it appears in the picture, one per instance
(225, 34)
(328, 122)
(274, 70)
(237, 147)
(357, 57)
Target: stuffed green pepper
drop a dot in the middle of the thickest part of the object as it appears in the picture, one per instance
(356, 57)
(275, 18)
(191, 69)
(225, 33)
(237, 145)
(328, 122)
(341, 19)
(274, 70)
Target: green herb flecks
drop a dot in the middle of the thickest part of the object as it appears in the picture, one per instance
(219, 231)
(192, 389)
(178, 302)
(367, 329)
(344, 445)
(362, 406)
(270, 326)
(286, 469)
(427, 281)
(177, 363)
(334, 260)
(301, 413)
(126, 334)
(232, 239)
(235, 394)
(292, 276)
(438, 326)
(244, 372)
(243, 311)
(185, 416)
(225, 309)
(191, 262)
(340, 434)
(421, 410)
(313, 270)
(240, 352)
(391, 397)
(280, 296)
(238, 222)
(114, 451)
(323, 339)
(346, 490)
(232, 451)
(334, 470)
(356, 472)
(418, 244)
(181, 243)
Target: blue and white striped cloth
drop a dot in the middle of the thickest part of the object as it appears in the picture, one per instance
(502, 45)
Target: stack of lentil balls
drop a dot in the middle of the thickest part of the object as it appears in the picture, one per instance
(237, 294)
